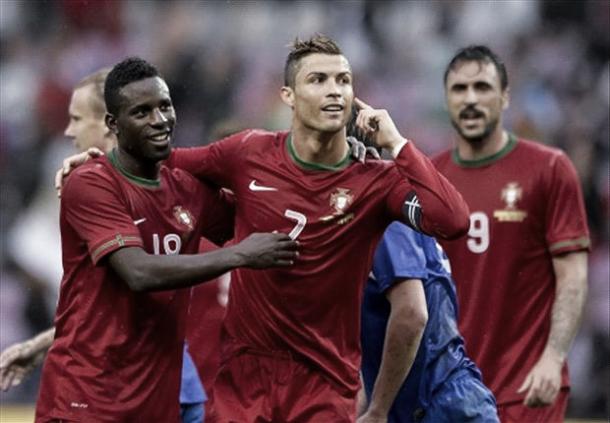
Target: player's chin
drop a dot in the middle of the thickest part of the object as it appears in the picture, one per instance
(332, 126)
(473, 135)
(159, 153)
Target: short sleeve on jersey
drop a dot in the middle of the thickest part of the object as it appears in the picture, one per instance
(566, 228)
(92, 207)
(399, 255)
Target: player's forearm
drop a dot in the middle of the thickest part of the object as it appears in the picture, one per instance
(570, 296)
(147, 272)
(444, 211)
(403, 336)
(42, 342)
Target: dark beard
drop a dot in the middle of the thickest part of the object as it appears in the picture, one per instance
(476, 139)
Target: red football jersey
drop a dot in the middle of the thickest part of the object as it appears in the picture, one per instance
(117, 354)
(338, 214)
(206, 313)
(526, 206)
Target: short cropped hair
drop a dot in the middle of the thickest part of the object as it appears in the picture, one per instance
(129, 70)
(480, 54)
(96, 80)
(317, 44)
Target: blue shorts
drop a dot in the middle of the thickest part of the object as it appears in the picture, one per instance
(192, 413)
(462, 398)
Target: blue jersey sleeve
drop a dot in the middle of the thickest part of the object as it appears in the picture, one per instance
(399, 255)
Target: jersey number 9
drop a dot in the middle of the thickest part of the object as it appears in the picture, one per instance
(478, 234)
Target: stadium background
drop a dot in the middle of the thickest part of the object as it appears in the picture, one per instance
(223, 61)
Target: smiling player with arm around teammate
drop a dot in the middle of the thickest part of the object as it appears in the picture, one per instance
(87, 130)
(130, 228)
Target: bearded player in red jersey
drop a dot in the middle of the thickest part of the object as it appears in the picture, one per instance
(290, 341)
(521, 273)
(124, 221)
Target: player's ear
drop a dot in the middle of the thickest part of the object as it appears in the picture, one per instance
(287, 95)
(505, 98)
(111, 123)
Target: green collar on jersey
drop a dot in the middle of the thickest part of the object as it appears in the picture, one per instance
(133, 178)
(315, 166)
(510, 145)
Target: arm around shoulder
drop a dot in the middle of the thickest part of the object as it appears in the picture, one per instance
(215, 162)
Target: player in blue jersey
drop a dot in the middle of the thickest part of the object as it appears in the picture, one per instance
(410, 296)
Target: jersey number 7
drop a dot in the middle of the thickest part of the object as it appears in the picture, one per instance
(300, 225)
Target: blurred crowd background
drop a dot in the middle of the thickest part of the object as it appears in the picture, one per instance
(224, 61)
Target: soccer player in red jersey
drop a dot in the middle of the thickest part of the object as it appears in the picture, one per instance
(521, 272)
(87, 129)
(130, 228)
(290, 341)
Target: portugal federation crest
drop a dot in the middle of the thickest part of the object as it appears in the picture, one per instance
(184, 217)
(511, 194)
(340, 200)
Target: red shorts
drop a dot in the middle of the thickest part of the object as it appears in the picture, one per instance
(270, 387)
(516, 412)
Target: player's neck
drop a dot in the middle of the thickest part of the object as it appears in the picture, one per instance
(108, 144)
(135, 167)
(477, 150)
(319, 147)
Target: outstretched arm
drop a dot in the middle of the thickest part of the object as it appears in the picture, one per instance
(18, 360)
(406, 324)
(149, 272)
(434, 206)
(543, 382)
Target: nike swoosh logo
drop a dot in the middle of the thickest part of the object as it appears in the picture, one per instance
(137, 222)
(254, 187)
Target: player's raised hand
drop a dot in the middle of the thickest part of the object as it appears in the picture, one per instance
(543, 382)
(261, 250)
(360, 151)
(73, 162)
(16, 362)
(378, 125)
